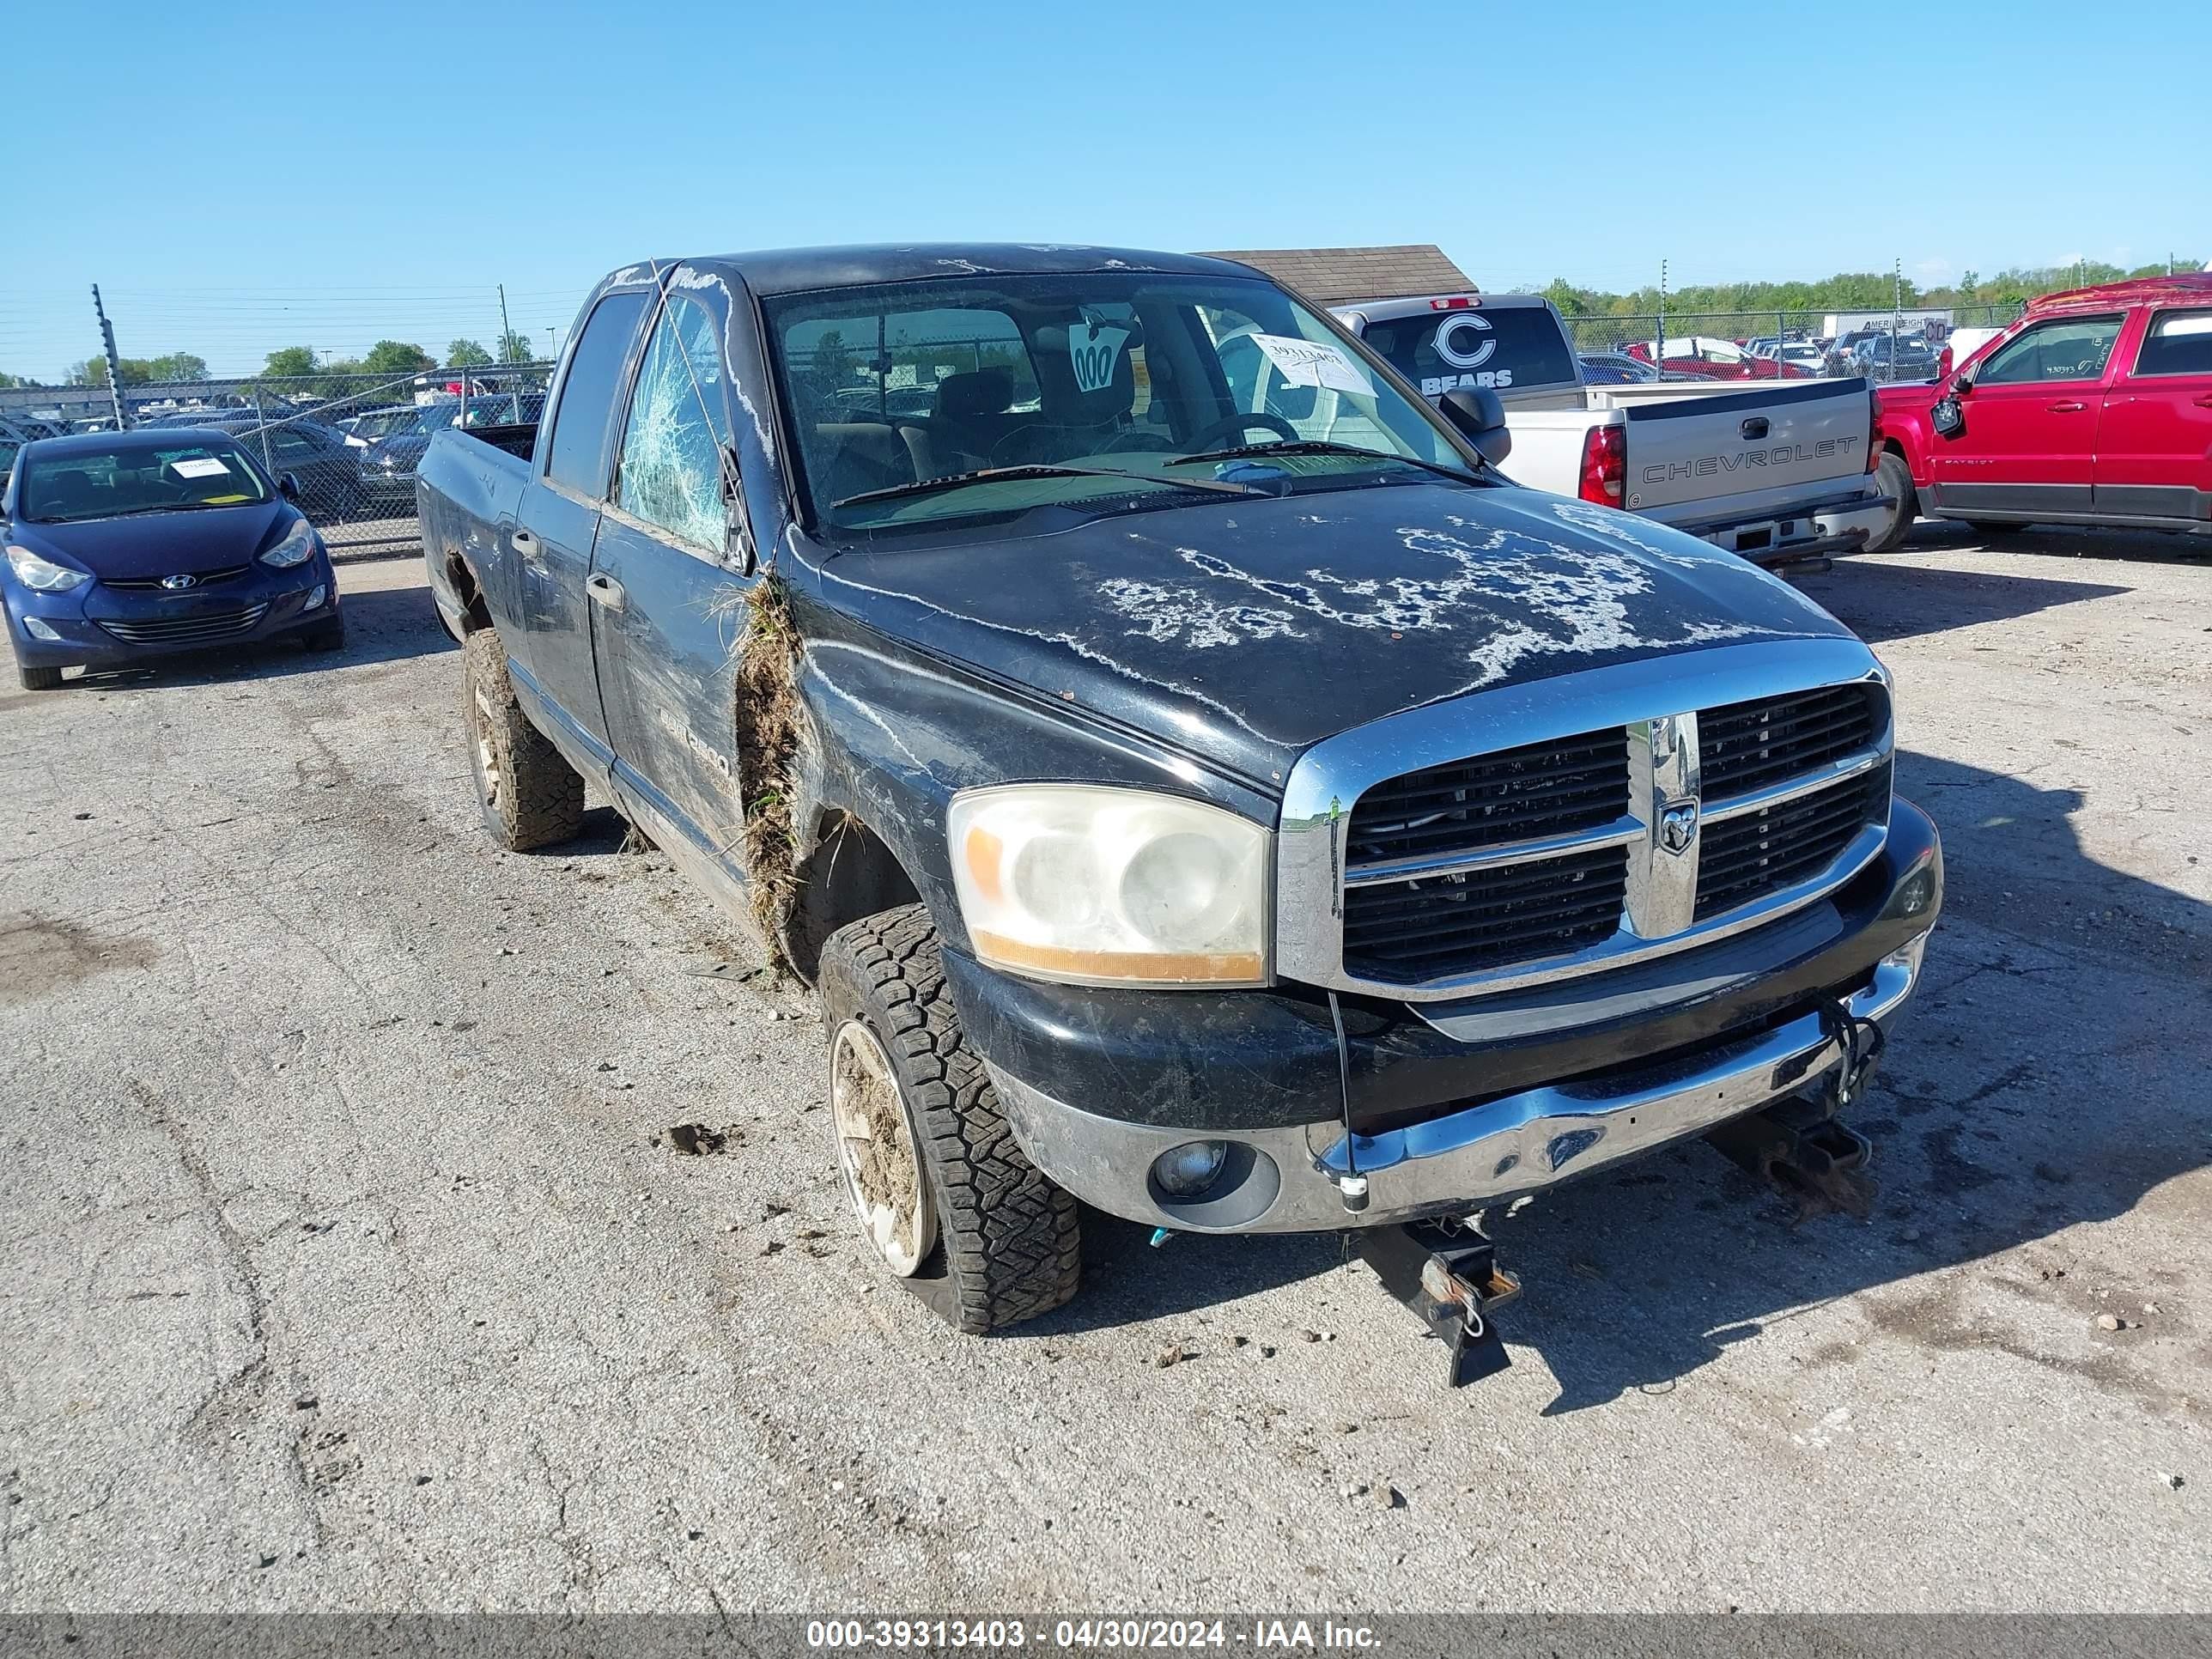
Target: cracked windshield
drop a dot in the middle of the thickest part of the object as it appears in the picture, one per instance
(1094, 392)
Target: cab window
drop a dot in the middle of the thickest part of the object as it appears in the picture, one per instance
(674, 443)
(2063, 349)
(579, 456)
(2177, 343)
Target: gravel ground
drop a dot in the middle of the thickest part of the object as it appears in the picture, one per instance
(348, 1263)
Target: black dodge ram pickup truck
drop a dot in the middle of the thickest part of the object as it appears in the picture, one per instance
(1238, 820)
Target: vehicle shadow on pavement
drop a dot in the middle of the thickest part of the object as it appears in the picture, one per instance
(1881, 602)
(383, 625)
(2066, 542)
(2050, 1073)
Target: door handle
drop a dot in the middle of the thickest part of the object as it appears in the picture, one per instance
(2204, 402)
(605, 590)
(2070, 407)
(524, 541)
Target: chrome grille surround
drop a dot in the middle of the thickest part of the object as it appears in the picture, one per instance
(1655, 702)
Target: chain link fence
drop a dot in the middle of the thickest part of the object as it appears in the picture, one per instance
(350, 442)
(1737, 345)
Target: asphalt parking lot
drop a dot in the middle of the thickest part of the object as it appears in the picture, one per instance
(348, 1263)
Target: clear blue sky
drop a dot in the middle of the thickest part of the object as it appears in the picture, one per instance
(243, 176)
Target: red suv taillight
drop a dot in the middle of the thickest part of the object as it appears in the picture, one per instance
(1605, 465)
(1874, 428)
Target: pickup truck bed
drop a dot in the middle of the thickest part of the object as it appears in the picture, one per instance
(1778, 472)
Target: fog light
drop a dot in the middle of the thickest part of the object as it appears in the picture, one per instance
(39, 630)
(1916, 895)
(1188, 1170)
(316, 595)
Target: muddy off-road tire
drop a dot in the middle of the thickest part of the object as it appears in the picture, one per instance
(1895, 478)
(530, 797)
(1006, 1238)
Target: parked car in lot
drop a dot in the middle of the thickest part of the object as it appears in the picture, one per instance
(123, 546)
(1239, 818)
(1615, 369)
(2094, 408)
(1713, 359)
(388, 460)
(316, 455)
(1906, 357)
(1778, 475)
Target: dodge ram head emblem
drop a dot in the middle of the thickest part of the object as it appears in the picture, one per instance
(1678, 827)
(183, 579)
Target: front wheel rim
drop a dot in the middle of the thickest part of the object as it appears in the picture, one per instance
(488, 781)
(876, 1150)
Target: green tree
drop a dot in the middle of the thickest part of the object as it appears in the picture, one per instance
(289, 362)
(515, 348)
(178, 366)
(465, 354)
(10, 381)
(397, 358)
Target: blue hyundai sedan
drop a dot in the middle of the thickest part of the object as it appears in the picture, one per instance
(125, 545)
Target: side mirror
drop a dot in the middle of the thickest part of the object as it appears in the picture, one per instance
(1480, 418)
(1962, 386)
(288, 486)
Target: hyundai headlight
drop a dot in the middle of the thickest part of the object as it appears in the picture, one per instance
(1104, 886)
(296, 548)
(42, 575)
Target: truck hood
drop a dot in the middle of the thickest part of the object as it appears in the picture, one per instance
(147, 545)
(1243, 632)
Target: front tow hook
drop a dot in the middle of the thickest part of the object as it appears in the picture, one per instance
(1448, 1274)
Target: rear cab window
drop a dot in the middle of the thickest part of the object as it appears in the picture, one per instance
(586, 414)
(2177, 343)
(1501, 347)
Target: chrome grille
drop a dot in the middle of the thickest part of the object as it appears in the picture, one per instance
(1758, 853)
(1746, 746)
(1541, 789)
(1416, 930)
(207, 628)
(153, 584)
(1572, 854)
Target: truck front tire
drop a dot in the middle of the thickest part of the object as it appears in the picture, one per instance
(38, 679)
(529, 796)
(1895, 479)
(1006, 1238)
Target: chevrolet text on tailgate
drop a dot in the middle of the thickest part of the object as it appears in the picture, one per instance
(1238, 817)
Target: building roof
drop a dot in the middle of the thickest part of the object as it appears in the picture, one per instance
(1335, 275)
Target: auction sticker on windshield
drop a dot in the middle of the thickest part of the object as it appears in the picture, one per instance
(1314, 362)
(1094, 352)
(200, 467)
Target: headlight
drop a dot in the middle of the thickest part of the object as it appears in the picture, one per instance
(1100, 886)
(42, 575)
(297, 547)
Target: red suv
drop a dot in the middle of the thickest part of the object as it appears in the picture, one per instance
(2094, 408)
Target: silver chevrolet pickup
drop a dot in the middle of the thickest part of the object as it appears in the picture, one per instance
(1779, 472)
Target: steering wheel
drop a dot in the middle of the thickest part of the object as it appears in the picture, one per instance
(1237, 425)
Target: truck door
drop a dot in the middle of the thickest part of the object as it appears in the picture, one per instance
(559, 519)
(2030, 440)
(2154, 448)
(669, 608)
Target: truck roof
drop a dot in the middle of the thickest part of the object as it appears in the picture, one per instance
(2183, 287)
(791, 270)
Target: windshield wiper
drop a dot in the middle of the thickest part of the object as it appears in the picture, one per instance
(955, 480)
(134, 512)
(1323, 446)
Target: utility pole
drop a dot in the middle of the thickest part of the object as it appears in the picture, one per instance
(506, 332)
(114, 367)
(1659, 352)
(1896, 309)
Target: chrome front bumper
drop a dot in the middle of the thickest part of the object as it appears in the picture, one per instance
(1285, 1180)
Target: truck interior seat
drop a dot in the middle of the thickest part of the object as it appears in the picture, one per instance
(972, 415)
(852, 456)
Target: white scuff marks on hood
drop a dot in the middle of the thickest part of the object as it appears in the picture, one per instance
(1619, 526)
(1067, 639)
(1517, 595)
(1199, 622)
